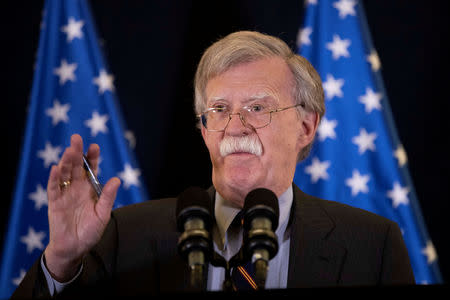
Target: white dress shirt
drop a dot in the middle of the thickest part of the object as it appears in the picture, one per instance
(228, 244)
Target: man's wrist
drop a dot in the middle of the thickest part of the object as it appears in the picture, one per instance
(62, 270)
(54, 286)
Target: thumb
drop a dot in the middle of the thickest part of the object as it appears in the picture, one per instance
(106, 201)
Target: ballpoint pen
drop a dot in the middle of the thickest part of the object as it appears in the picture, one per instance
(92, 178)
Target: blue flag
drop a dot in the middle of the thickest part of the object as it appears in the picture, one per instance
(357, 157)
(73, 92)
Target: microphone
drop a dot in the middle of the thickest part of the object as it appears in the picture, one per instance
(194, 220)
(261, 213)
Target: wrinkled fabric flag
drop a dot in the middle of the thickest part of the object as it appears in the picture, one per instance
(73, 92)
(357, 158)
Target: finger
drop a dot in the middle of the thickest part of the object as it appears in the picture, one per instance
(53, 189)
(105, 203)
(65, 165)
(93, 156)
(76, 143)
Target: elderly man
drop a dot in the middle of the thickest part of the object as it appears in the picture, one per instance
(259, 106)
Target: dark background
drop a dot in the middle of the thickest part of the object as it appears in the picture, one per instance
(153, 47)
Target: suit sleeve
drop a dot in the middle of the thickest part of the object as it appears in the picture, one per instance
(396, 267)
(33, 285)
(98, 265)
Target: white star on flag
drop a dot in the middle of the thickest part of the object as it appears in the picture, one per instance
(333, 87)
(374, 60)
(326, 129)
(39, 197)
(430, 252)
(97, 123)
(58, 112)
(303, 37)
(33, 240)
(73, 29)
(16, 281)
(401, 156)
(371, 100)
(365, 141)
(399, 195)
(338, 47)
(358, 183)
(345, 8)
(130, 176)
(50, 154)
(104, 82)
(65, 71)
(318, 170)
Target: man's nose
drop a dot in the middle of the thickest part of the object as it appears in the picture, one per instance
(237, 125)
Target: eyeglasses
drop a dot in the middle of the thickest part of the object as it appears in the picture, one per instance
(255, 115)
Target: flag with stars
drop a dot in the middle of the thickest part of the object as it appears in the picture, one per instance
(73, 92)
(357, 157)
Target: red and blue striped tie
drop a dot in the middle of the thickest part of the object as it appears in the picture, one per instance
(242, 277)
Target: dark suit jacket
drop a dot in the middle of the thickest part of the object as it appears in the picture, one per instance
(331, 245)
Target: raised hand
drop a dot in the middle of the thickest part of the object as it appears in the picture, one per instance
(77, 218)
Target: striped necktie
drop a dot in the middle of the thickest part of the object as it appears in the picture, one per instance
(242, 277)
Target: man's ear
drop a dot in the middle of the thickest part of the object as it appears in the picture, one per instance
(310, 123)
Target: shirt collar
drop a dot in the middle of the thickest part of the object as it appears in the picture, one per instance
(225, 213)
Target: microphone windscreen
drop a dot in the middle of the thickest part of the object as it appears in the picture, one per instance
(263, 200)
(262, 196)
(194, 202)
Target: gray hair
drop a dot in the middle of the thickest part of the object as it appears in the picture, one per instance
(247, 46)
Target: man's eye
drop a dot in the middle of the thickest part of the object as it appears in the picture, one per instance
(219, 108)
(256, 108)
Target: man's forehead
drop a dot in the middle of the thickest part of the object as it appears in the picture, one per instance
(259, 79)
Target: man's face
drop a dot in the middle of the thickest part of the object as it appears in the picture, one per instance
(270, 82)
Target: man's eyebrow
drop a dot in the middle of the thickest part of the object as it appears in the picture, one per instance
(263, 96)
(258, 96)
(214, 99)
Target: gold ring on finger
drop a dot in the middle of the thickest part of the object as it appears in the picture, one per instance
(65, 184)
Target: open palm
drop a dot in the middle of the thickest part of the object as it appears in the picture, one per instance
(77, 218)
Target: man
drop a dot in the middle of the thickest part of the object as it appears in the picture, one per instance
(259, 107)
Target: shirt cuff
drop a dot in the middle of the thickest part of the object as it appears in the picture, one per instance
(55, 286)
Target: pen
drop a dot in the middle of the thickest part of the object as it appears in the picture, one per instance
(92, 178)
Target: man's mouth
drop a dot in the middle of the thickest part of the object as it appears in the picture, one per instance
(241, 153)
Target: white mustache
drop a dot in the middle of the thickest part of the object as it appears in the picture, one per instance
(248, 143)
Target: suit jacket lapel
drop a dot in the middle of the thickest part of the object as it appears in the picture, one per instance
(314, 259)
